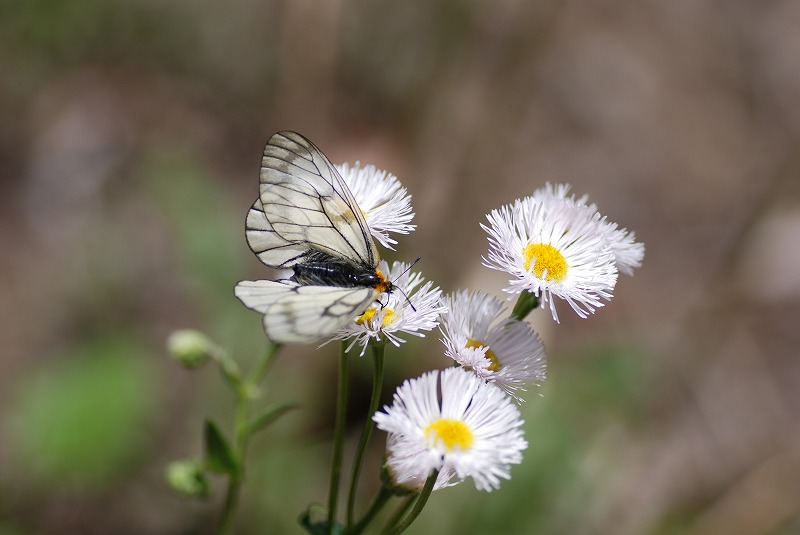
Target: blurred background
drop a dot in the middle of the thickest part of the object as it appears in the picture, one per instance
(130, 142)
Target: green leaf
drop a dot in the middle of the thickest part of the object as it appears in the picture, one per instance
(269, 415)
(219, 456)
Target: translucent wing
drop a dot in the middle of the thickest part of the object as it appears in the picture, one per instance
(268, 246)
(296, 314)
(308, 204)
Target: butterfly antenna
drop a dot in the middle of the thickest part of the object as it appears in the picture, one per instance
(400, 289)
(407, 299)
(414, 263)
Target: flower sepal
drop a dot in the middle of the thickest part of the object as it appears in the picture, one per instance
(315, 521)
(387, 479)
(526, 303)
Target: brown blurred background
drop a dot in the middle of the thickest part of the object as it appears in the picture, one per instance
(130, 139)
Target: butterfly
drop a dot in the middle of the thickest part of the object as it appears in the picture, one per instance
(306, 219)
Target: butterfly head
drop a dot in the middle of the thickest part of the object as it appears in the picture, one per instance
(381, 283)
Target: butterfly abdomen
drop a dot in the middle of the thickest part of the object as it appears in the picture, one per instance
(335, 274)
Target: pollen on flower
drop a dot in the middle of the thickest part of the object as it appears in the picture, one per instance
(453, 434)
(549, 264)
(490, 356)
(389, 317)
(366, 316)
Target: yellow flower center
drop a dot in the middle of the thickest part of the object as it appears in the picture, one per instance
(490, 356)
(549, 263)
(366, 316)
(453, 434)
(389, 316)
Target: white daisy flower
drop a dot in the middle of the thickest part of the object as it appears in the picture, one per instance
(559, 191)
(454, 422)
(395, 314)
(385, 203)
(552, 249)
(628, 254)
(479, 336)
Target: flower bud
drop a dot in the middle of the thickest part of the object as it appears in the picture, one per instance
(187, 477)
(192, 349)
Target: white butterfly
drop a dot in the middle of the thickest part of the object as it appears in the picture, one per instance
(307, 219)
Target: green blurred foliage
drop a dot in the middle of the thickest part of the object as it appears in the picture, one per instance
(9, 530)
(208, 236)
(207, 229)
(58, 34)
(87, 418)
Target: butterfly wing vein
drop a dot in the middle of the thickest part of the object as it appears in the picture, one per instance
(296, 313)
(308, 204)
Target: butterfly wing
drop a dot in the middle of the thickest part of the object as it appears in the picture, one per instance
(308, 204)
(296, 314)
(267, 244)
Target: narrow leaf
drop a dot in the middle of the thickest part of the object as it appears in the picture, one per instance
(219, 456)
(269, 415)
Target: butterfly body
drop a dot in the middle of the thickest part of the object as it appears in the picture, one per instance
(325, 270)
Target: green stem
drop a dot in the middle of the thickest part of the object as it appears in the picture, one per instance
(374, 508)
(257, 374)
(231, 501)
(524, 305)
(419, 504)
(377, 382)
(338, 439)
(401, 511)
(243, 396)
